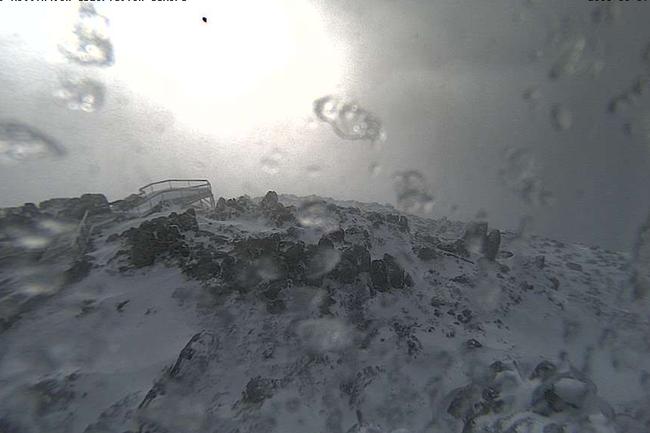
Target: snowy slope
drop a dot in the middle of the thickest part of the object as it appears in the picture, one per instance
(311, 315)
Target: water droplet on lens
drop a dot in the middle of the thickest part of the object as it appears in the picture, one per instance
(313, 171)
(81, 93)
(271, 163)
(315, 214)
(569, 59)
(19, 143)
(375, 169)
(348, 119)
(520, 174)
(413, 195)
(561, 117)
(90, 44)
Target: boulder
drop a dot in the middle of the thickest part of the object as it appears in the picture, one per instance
(270, 200)
(492, 244)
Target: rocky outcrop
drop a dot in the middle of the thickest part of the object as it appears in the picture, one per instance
(160, 236)
(269, 208)
(75, 208)
(547, 400)
(128, 203)
(477, 240)
(386, 274)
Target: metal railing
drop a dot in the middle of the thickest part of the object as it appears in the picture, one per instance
(182, 192)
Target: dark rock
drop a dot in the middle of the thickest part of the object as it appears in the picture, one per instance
(394, 272)
(426, 253)
(475, 236)
(376, 218)
(555, 282)
(466, 403)
(276, 306)
(437, 302)
(325, 242)
(160, 236)
(258, 389)
(128, 203)
(221, 204)
(543, 370)
(78, 271)
(492, 244)
(574, 266)
(270, 200)
(354, 260)
(203, 265)
(473, 344)
(94, 204)
(255, 248)
(505, 254)
(337, 235)
(403, 223)
(386, 273)
(462, 279)
(379, 275)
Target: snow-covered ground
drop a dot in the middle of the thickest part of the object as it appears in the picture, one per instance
(312, 315)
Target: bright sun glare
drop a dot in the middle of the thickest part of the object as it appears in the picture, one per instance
(253, 64)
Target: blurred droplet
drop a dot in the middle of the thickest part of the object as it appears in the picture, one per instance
(640, 85)
(520, 174)
(323, 261)
(33, 242)
(324, 335)
(315, 214)
(619, 103)
(568, 61)
(605, 13)
(83, 94)
(90, 44)
(413, 195)
(267, 269)
(375, 169)
(348, 119)
(271, 163)
(596, 68)
(19, 142)
(313, 171)
(561, 117)
(532, 95)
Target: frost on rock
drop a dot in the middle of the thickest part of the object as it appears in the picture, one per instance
(348, 119)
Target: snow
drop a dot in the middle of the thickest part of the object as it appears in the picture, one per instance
(340, 357)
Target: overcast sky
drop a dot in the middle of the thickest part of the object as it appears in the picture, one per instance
(230, 100)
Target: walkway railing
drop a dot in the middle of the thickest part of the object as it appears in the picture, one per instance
(183, 192)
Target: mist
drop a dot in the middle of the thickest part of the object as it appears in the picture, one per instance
(457, 85)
